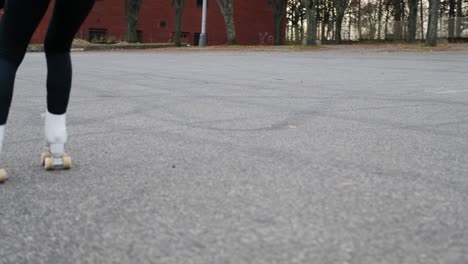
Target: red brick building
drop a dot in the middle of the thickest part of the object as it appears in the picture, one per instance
(253, 20)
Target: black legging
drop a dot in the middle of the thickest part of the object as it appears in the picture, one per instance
(18, 23)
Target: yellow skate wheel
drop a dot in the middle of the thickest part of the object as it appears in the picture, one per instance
(45, 155)
(67, 162)
(3, 176)
(49, 163)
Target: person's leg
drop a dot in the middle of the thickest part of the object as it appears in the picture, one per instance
(66, 21)
(17, 25)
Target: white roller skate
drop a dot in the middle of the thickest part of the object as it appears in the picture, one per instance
(56, 137)
(3, 174)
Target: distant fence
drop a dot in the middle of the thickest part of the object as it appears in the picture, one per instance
(456, 27)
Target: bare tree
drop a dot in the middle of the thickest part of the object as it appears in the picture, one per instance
(379, 30)
(451, 30)
(370, 19)
(434, 6)
(332, 24)
(132, 11)
(350, 23)
(296, 16)
(359, 20)
(398, 19)
(387, 17)
(421, 11)
(459, 16)
(412, 20)
(340, 7)
(325, 8)
(178, 6)
(279, 13)
(354, 16)
(227, 9)
(311, 15)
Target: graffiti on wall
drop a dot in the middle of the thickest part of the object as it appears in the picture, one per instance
(265, 38)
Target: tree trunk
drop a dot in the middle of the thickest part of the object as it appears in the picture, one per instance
(387, 17)
(278, 40)
(397, 9)
(301, 30)
(340, 6)
(359, 20)
(356, 23)
(178, 28)
(325, 20)
(318, 18)
(421, 11)
(434, 6)
(296, 33)
(412, 20)
(371, 17)
(451, 29)
(132, 10)
(331, 26)
(379, 30)
(231, 29)
(403, 21)
(459, 17)
(323, 32)
(227, 9)
(279, 12)
(311, 14)
(178, 6)
(338, 25)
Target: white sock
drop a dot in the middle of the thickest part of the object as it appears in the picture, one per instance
(56, 132)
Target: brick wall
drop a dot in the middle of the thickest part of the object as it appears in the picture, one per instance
(253, 18)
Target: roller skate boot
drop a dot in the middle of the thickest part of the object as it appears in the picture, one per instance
(3, 174)
(56, 136)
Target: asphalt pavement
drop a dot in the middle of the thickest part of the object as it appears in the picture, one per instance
(244, 157)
